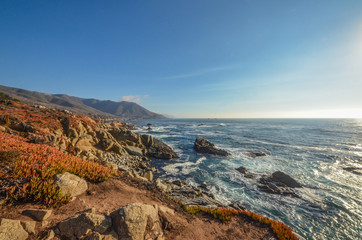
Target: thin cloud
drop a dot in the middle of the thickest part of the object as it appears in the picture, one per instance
(133, 98)
(200, 72)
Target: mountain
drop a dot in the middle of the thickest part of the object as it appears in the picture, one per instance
(106, 108)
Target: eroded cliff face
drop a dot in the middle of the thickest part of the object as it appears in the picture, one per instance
(114, 144)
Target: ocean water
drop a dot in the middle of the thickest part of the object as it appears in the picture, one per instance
(312, 151)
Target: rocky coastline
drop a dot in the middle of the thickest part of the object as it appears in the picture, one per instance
(113, 145)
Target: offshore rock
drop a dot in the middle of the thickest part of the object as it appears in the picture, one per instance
(283, 178)
(160, 150)
(204, 146)
(256, 154)
(279, 183)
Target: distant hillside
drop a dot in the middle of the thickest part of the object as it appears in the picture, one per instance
(125, 110)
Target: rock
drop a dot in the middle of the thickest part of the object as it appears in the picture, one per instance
(147, 140)
(161, 186)
(202, 145)
(50, 235)
(79, 225)
(111, 236)
(256, 154)
(269, 186)
(134, 151)
(71, 184)
(355, 170)
(160, 150)
(12, 230)
(242, 170)
(149, 176)
(281, 177)
(93, 236)
(135, 221)
(29, 226)
(38, 214)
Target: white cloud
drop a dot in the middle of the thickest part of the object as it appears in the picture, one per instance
(133, 98)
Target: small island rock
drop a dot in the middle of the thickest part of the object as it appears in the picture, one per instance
(204, 146)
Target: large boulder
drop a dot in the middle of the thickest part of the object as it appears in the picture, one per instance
(71, 184)
(283, 178)
(160, 150)
(137, 222)
(204, 146)
(12, 230)
(79, 225)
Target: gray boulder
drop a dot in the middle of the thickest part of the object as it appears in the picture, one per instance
(71, 184)
(202, 145)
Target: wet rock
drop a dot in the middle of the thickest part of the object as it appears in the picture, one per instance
(202, 145)
(160, 150)
(354, 170)
(12, 230)
(38, 214)
(242, 170)
(256, 154)
(283, 178)
(71, 184)
(269, 186)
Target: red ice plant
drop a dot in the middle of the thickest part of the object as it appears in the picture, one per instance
(30, 175)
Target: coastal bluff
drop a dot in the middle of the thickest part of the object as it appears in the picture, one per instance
(47, 155)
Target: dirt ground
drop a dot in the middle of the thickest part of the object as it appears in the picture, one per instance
(109, 196)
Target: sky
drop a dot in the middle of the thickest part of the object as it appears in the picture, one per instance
(191, 58)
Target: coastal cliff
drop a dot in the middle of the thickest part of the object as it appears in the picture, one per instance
(96, 180)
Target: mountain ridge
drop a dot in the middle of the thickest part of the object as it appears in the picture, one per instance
(88, 106)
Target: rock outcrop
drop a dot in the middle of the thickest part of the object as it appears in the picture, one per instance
(279, 183)
(83, 136)
(71, 184)
(202, 145)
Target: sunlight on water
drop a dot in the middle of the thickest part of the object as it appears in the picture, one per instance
(314, 152)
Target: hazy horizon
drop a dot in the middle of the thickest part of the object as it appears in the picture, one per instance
(191, 59)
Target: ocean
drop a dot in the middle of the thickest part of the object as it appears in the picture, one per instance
(312, 151)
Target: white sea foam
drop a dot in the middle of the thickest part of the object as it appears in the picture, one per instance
(183, 167)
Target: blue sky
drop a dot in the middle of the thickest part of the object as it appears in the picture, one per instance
(191, 58)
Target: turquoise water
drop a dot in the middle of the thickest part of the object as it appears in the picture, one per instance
(314, 152)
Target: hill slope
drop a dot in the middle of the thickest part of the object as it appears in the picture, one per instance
(126, 110)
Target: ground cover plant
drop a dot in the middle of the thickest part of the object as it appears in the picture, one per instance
(282, 231)
(27, 171)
